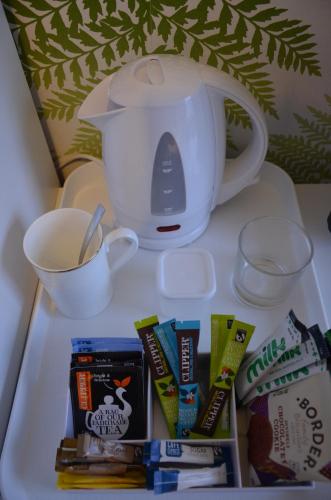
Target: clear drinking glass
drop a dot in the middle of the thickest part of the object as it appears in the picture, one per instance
(272, 254)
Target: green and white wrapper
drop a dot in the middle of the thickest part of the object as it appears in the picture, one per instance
(288, 334)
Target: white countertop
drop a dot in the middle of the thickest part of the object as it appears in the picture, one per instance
(315, 205)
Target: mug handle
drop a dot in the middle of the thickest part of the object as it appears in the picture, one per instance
(118, 234)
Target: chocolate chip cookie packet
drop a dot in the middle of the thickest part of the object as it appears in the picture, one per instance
(220, 391)
(161, 372)
(289, 435)
(187, 333)
(287, 335)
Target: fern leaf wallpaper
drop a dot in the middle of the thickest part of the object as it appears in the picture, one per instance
(279, 50)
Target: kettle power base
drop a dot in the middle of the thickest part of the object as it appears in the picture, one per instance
(39, 412)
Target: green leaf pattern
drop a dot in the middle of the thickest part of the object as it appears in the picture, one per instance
(306, 157)
(68, 46)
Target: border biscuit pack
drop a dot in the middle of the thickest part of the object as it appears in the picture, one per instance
(289, 435)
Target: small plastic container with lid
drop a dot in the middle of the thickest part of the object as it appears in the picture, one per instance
(186, 281)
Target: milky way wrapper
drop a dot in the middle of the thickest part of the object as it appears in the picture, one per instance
(287, 335)
(314, 348)
(161, 372)
(273, 384)
(289, 435)
(187, 333)
(220, 391)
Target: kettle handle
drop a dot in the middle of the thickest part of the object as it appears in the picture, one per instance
(241, 171)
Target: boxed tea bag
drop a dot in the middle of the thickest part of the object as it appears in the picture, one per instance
(107, 401)
(108, 389)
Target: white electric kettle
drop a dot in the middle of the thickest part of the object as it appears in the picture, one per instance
(164, 140)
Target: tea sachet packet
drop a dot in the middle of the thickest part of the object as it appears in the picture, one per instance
(220, 327)
(108, 382)
(219, 393)
(187, 333)
(161, 372)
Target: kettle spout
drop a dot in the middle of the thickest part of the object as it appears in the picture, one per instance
(97, 108)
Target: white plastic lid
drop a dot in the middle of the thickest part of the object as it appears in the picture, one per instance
(155, 80)
(186, 273)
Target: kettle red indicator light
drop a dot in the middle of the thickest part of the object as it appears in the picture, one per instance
(166, 229)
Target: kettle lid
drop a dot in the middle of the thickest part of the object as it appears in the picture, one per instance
(155, 80)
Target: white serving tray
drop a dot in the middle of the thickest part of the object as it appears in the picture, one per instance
(38, 417)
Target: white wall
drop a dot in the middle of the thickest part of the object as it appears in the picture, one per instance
(28, 186)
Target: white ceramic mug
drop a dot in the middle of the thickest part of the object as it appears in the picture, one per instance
(52, 244)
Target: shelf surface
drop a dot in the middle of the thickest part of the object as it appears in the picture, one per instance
(39, 411)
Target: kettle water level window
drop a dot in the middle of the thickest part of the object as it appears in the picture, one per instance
(168, 196)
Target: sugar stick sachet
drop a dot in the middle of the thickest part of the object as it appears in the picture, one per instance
(220, 327)
(220, 391)
(165, 453)
(187, 333)
(287, 335)
(161, 372)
